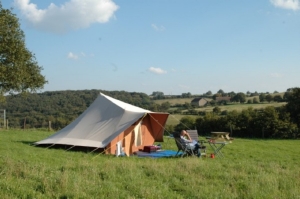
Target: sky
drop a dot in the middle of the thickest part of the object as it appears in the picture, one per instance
(171, 46)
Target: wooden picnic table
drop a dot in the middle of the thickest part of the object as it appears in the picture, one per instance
(220, 136)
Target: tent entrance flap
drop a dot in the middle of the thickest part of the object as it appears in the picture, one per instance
(158, 122)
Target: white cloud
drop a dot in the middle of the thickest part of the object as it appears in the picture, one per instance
(158, 28)
(157, 70)
(286, 4)
(75, 56)
(74, 14)
(72, 56)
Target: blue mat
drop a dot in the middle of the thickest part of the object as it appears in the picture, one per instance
(157, 154)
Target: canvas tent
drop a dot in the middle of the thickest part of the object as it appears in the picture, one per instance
(108, 121)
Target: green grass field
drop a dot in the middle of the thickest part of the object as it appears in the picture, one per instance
(250, 169)
(240, 107)
(174, 101)
(174, 119)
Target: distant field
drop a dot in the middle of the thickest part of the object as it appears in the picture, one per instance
(175, 118)
(188, 100)
(240, 107)
(174, 101)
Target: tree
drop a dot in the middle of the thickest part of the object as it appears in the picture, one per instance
(19, 70)
(287, 95)
(217, 110)
(185, 123)
(255, 100)
(221, 92)
(231, 94)
(164, 107)
(262, 97)
(216, 95)
(239, 97)
(254, 94)
(208, 93)
(293, 105)
(158, 95)
(186, 95)
(269, 98)
(277, 98)
(187, 105)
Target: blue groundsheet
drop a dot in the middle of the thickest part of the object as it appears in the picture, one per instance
(158, 154)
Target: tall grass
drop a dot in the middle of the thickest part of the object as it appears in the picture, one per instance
(250, 169)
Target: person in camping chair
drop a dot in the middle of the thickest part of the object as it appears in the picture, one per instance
(194, 145)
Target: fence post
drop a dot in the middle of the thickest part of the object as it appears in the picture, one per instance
(49, 127)
(7, 124)
(4, 119)
(24, 127)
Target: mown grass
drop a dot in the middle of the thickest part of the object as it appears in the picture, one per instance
(250, 169)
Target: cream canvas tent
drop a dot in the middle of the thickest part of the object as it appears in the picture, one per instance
(108, 121)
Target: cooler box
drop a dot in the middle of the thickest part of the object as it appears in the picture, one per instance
(150, 149)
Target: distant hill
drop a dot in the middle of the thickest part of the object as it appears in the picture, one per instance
(60, 107)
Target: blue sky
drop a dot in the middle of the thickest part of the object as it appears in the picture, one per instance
(173, 46)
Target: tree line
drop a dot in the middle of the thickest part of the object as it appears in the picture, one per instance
(62, 107)
(35, 110)
(269, 122)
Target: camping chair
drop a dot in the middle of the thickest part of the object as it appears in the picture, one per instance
(182, 146)
(194, 136)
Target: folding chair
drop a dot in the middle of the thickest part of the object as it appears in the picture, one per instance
(194, 136)
(182, 146)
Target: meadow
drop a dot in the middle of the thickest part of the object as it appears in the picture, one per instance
(240, 107)
(251, 168)
(174, 119)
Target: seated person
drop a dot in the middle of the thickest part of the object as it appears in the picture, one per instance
(193, 144)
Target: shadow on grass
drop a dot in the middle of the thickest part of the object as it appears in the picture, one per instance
(64, 147)
(93, 150)
(27, 142)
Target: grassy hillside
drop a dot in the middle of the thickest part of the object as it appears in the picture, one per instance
(174, 101)
(250, 169)
(240, 107)
(175, 118)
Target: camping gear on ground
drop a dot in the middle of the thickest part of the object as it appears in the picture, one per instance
(217, 146)
(106, 122)
(150, 149)
(157, 154)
